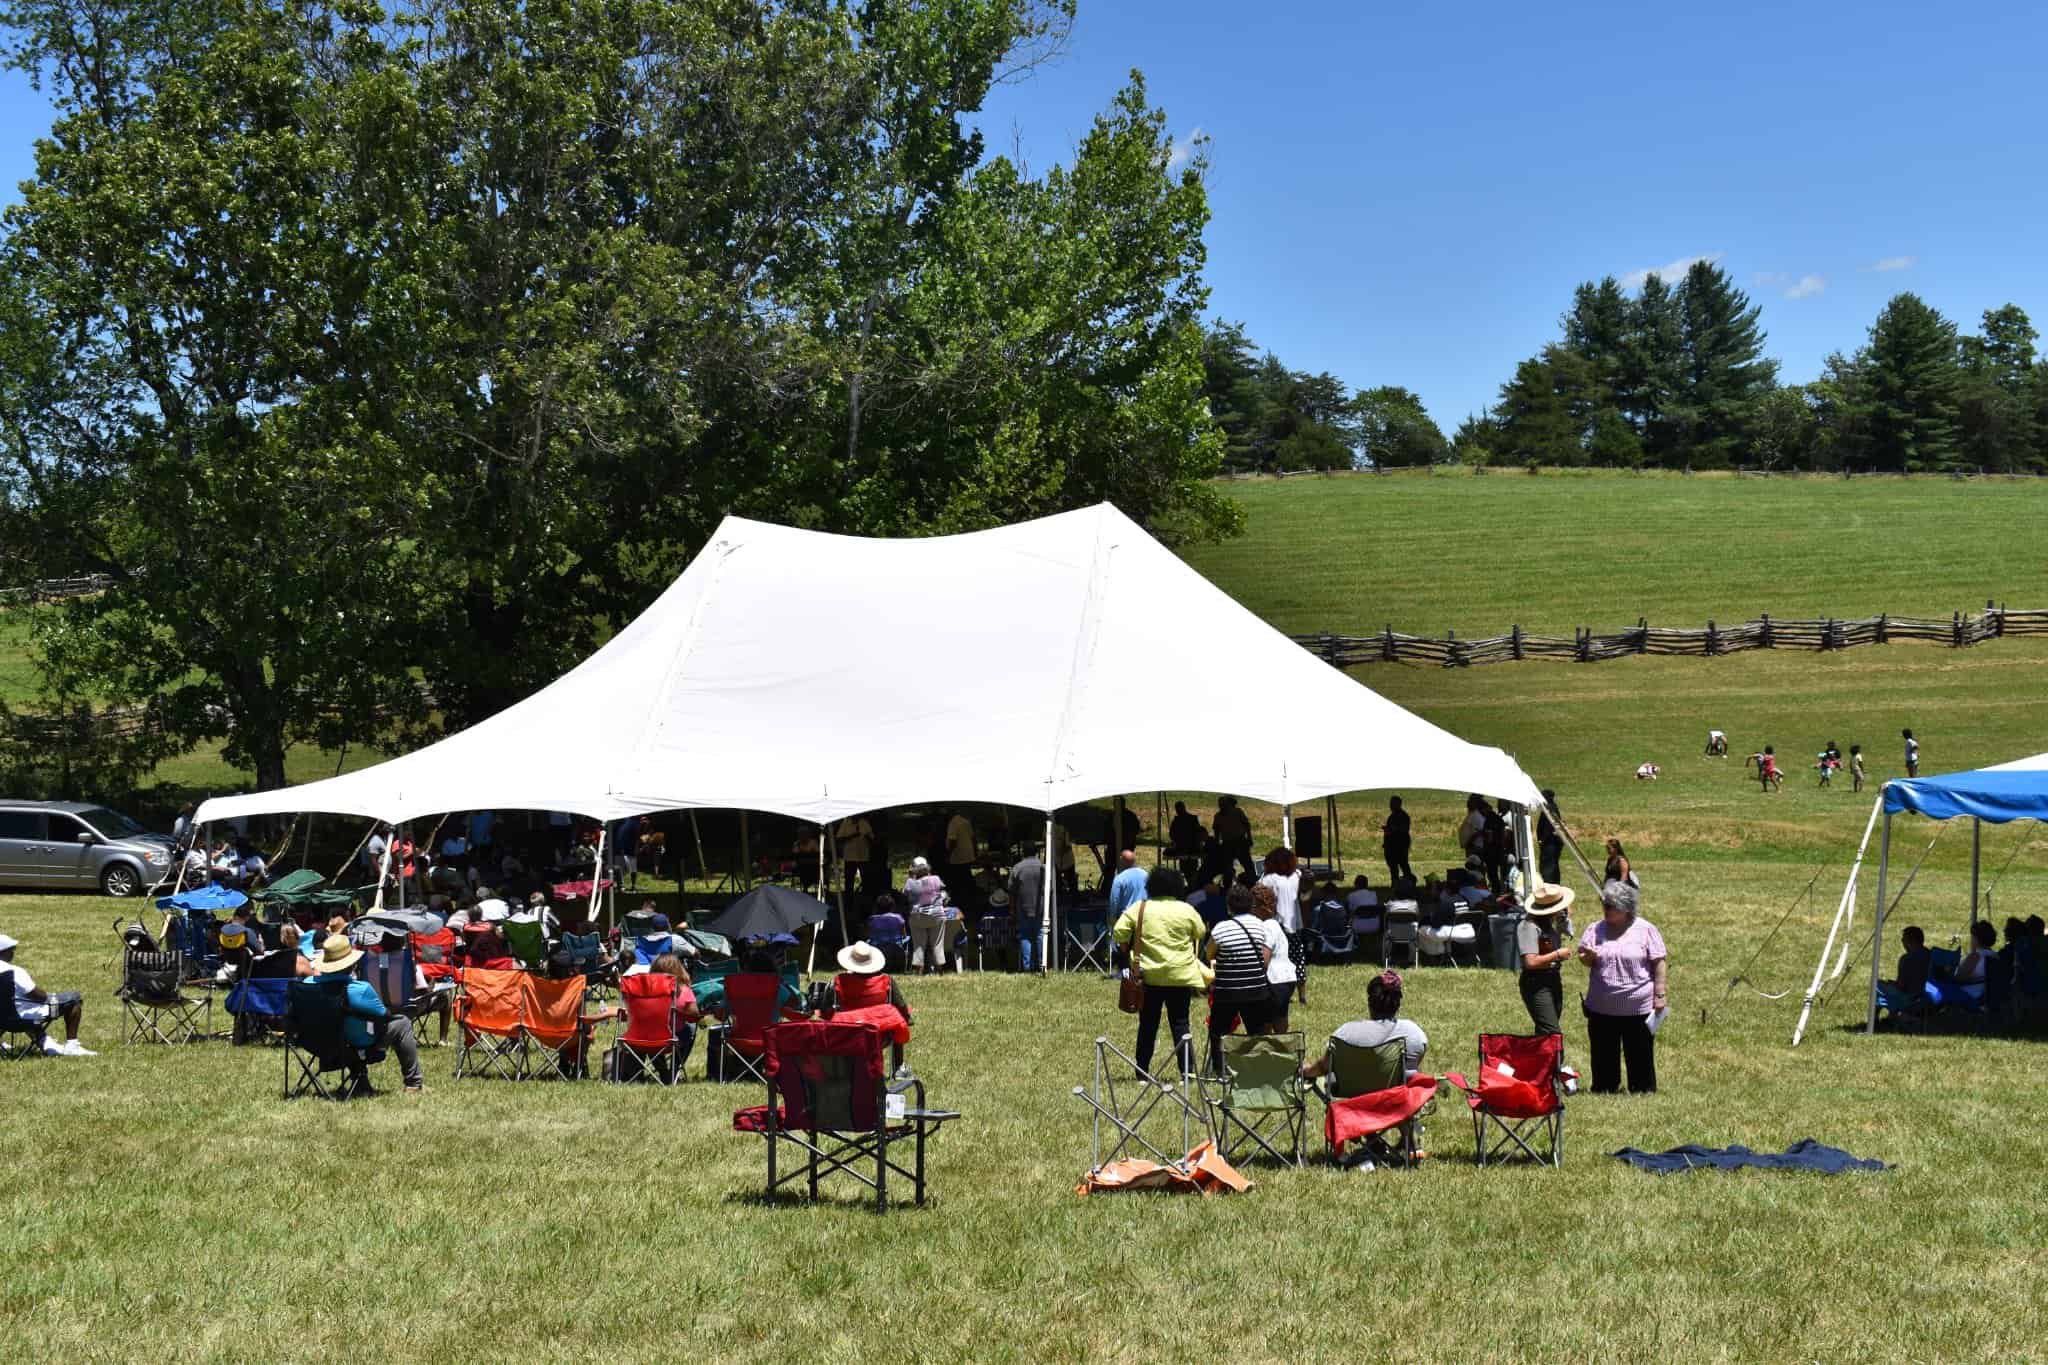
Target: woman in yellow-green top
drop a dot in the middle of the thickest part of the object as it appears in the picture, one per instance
(1169, 937)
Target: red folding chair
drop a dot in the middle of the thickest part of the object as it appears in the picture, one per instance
(1518, 1098)
(829, 1096)
(751, 1000)
(648, 1031)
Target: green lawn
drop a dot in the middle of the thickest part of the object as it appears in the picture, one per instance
(167, 1200)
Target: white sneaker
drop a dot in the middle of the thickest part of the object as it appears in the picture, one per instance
(51, 1048)
(74, 1048)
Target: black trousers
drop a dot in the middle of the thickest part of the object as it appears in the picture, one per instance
(1172, 999)
(1397, 862)
(1547, 860)
(1611, 1037)
(1225, 1015)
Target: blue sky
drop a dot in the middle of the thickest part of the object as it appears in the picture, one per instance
(1408, 197)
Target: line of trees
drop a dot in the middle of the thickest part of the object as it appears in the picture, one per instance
(1275, 419)
(365, 350)
(1676, 377)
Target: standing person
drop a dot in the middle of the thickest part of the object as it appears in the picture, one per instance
(1027, 898)
(1543, 939)
(1283, 975)
(1127, 888)
(1856, 767)
(1912, 753)
(1549, 842)
(1283, 877)
(181, 828)
(1233, 831)
(1395, 840)
(1618, 867)
(1167, 933)
(1471, 835)
(925, 896)
(1066, 878)
(1187, 836)
(856, 845)
(1496, 840)
(1238, 951)
(1625, 991)
(960, 854)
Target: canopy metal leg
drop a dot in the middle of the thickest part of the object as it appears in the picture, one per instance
(1884, 856)
(1976, 863)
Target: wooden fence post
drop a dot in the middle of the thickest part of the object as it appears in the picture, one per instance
(1827, 634)
(1387, 654)
(1955, 630)
(1764, 639)
(1582, 639)
(1883, 628)
(1451, 659)
(1642, 635)
(1515, 636)
(1713, 639)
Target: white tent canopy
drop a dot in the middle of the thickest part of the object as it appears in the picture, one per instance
(817, 676)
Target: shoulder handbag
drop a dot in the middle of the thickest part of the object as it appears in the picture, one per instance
(1130, 989)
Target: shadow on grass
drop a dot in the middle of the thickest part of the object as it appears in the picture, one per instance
(840, 1201)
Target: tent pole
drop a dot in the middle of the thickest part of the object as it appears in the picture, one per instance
(1159, 829)
(1845, 915)
(357, 849)
(1045, 907)
(1884, 858)
(1287, 826)
(703, 868)
(597, 871)
(1573, 844)
(812, 965)
(1333, 839)
(1976, 863)
(839, 894)
(746, 877)
(1116, 839)
(383, 868)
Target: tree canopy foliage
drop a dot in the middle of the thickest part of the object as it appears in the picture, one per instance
(389, 362)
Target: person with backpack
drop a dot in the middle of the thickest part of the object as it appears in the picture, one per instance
(1238, 952)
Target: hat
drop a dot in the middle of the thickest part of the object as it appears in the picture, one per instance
(7, 943)
(1549, 899)
(657, 923)
(493, 910)
(862, 959)
(920, 865)
(998, 900)
(337, 954)
(233, 935)
(1474, 863)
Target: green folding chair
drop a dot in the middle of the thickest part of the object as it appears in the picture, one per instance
(527, 942)
(1259, 1097)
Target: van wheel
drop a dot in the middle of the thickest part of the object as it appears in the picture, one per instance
(120, 880)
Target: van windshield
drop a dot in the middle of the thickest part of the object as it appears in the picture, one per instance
(111, 823)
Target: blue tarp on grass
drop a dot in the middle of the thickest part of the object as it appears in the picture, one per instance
(1803, 1155)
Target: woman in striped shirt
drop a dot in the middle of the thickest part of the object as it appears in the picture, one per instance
(1239, 950)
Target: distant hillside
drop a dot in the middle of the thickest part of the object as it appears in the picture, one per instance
(1429, 552)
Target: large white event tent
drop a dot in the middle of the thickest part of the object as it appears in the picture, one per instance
(1998, 795)
(817, 676)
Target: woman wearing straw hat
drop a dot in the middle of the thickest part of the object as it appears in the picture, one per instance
(368, 1023)
(1542, 940)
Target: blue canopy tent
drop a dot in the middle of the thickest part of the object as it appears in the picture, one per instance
(1999, 794)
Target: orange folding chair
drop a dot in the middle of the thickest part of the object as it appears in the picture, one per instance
(551, 1031)
(489, 1019)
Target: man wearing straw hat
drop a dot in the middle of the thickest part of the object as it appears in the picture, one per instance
(1543, 941)
(369, 1024)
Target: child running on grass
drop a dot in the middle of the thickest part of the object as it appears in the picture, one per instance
(1767, 768)
(1856, 767)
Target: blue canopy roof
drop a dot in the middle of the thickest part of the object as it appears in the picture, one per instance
(2010, 791)
(209, 897)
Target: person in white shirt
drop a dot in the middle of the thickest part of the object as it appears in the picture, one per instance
(1364, 903)
(1282, 973)
(1912, 753)
(856, 846)
(37, 1006)
(1283, 879)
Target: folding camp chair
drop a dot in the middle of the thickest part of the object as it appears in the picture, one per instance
(1376, 1078)
(158, 1010)
(1086, 930)
(489, 1019)
(1125, 1107)
(1398, 934)
(1259, 1095)
(257, 1003)
(315, 1043)
(583, 955)
(1518, 1098)
(36, 1031)
(830, 1097)
(1335, 937)
(390, 973)
(551, 1027)
(750, 1006)
(647, 1031)
(527, 940)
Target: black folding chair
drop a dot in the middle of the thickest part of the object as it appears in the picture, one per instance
(158, 1010)
(316, 1044)
(11, 1021)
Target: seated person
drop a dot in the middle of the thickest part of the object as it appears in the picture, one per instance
(369, 1025)
(864, 980)
(287, 961)
(886, 925)
(484, 947)
(1364, 903)
(34, 1005)
(1383, 1008)
(789, 1000)
(685, 1012)
(1913, 963)
(1972, 970)
(1474, 891)
(1209, 902)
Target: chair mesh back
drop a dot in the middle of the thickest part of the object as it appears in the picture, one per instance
(1262, 1070)
(314, 1013)
(1365, 1070)
(526, 940)
(650, 998)
(390, 975)
(151, 977)
(828, 1076)
(10, 1018)
(750, 997)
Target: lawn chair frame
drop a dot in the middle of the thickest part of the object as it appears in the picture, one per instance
(1519, 1134)
(1228, 1121)
(1124, 1108)
(37, 1031)
(827, 1149)
(308, 1060)
(146, 1010)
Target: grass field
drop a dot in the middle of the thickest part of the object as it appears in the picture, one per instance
(162, 1200)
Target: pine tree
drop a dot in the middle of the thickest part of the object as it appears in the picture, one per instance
(1725, 372)
(1912, 378)
(1651, 370)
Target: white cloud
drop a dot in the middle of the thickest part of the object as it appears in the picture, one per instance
(1670, 274)
(1183, 148)
(1894, 263)
(1806, 286)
